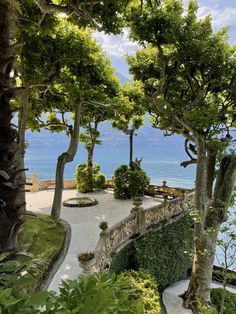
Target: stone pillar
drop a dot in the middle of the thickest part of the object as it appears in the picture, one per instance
(35, 183)
(166, 207)
(137, 209)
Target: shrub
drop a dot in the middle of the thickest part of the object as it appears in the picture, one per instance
(146, 289)
(131, 293)
(229, 303)
(129, 182)
(165, 254)
(89, 178)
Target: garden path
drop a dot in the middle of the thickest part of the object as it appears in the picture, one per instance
(172, 301)
(84, 223)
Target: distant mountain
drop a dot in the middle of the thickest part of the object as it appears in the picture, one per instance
(122, 78)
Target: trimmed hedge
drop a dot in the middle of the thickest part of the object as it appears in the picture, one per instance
(165, 254)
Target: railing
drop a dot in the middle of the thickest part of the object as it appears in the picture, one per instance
(140, 221)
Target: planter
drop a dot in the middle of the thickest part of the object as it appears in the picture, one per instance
(86, 262)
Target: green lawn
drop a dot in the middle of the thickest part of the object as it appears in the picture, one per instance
(42, 237)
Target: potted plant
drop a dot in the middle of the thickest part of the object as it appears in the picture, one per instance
(103, 225)
(86, 261)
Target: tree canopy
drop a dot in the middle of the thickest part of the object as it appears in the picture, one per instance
(189, 76)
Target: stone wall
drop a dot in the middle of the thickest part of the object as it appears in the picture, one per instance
(139, 222)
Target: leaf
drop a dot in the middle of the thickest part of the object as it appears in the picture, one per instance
(38, 298)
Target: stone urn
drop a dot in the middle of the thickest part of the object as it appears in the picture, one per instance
(137, 203)
(87, 261)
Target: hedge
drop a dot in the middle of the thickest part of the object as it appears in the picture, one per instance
(166, 254)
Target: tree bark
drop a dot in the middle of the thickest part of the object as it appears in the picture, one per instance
(131, 144)
(209, 217)
(64, 158)
(90, 158)
(204, 242)
(11, 209)
(22, 120)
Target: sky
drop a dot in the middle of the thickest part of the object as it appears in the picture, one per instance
(223, 14)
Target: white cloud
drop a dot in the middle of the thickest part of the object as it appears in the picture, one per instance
(116, 45)
(220, 17)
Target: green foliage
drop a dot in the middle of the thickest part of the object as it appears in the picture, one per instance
(165, 253)
(129, 182)
(182, 53)
(146, 290)
(130, 293)
(229, 303)
(129, 107)
(83, 174)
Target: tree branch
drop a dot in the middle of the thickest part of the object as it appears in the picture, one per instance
(188, 162)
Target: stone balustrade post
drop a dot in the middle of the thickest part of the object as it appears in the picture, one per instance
(137, 209)
(166, 206)
(35, 183)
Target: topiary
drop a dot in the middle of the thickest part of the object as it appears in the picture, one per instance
(129, 182)
(89, 178)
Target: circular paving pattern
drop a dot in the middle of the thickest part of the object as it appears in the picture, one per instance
(80, 202)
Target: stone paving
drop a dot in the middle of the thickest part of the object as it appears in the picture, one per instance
(84, 223)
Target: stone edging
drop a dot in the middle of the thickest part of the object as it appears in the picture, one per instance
(60, 257)
(92, 203)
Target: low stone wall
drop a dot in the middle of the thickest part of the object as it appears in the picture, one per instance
(39, 185)
(139, 222)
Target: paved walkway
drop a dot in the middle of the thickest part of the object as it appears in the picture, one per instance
(84, 223)
(172, 301)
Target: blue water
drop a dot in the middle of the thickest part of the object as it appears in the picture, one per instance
(161, 155)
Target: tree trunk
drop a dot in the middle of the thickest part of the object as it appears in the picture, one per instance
(208, 218)
(64, 158)
(90, 157)
(204, 242)
(23, 113)
(90, 168)
(131, 141)
(10, 208)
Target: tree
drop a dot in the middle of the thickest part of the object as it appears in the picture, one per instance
(80, 79)
(189, 77)
(11, 208)
(130, 110)
(102, 15)
(92, 117)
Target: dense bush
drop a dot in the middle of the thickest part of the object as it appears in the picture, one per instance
(229, 303)
(130, 293)
(89, 178)
(165, 253)
(129, 182)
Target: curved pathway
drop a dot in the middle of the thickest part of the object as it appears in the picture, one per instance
(84, 223)
(172, 301)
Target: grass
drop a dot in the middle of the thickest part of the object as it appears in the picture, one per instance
(43, 238)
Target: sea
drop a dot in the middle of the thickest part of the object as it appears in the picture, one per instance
(161, 157)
